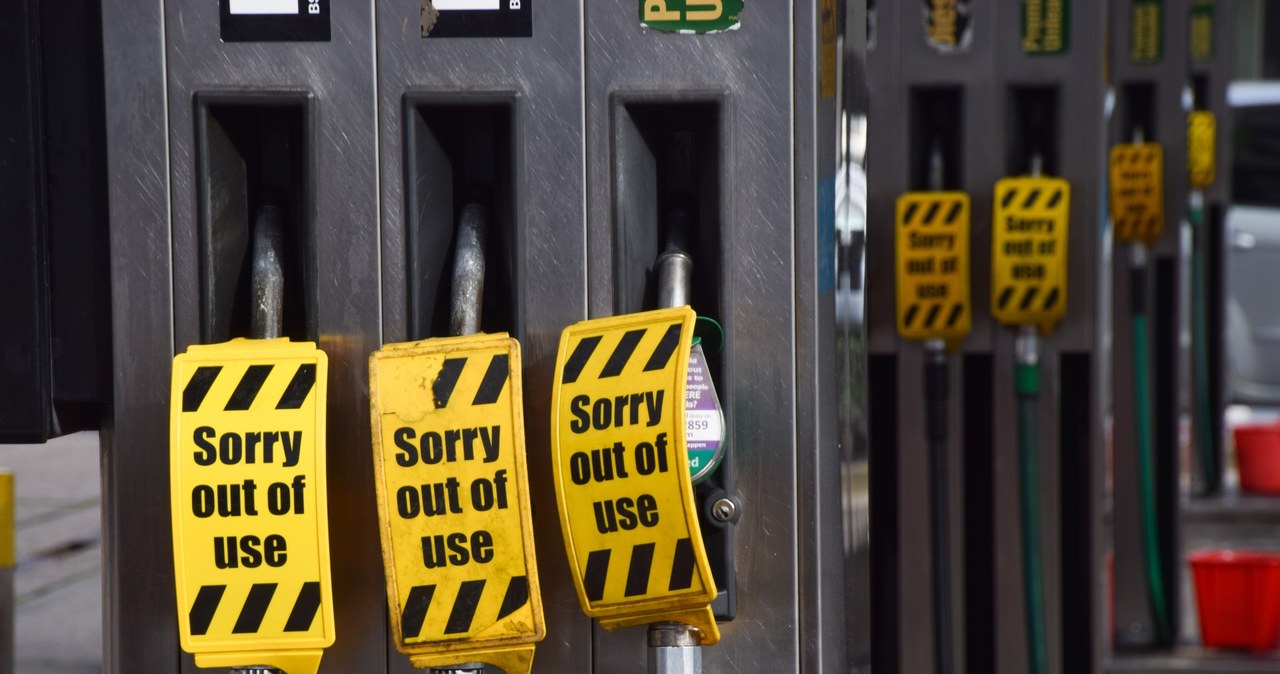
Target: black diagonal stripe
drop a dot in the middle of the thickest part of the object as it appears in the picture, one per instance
(956, 311)
(911, 315)
(255, 607)
(517, 596)
(682, 566)
(198, 387)
(464, 607)
(1008, 198)
(1031, 199)
(442, 389)
(247, 389)
(910, 214)
(1005, 297)
(578, 359)
(206, 604)
(596, 574)
(618, 360)
(1052, 299)
(933, 211)
(638, 574)
(1150, 158)
(415, 610)
(1028, 298)
(495, 378)
(666, 346)
(954, 212)
(1054, 199)
(304, 609)
(1153, 223)
(299, 387)
(932, 315)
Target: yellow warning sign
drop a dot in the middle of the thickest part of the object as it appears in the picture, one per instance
(1137, 192)
(620, 466)
(933, 265)
(249, 505)
(1201, 131)
(1029, 251)
(453, 501)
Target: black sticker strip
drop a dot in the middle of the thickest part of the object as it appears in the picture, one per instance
(274, 20)
(477, 18)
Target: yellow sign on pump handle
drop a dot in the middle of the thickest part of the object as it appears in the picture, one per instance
(933, 265)
(1201, 132)
(1137, 192)
(453, 501)
(620, 465)
(1029, 251)
(249, 504)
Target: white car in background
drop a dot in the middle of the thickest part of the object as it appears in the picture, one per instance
(1253, 245)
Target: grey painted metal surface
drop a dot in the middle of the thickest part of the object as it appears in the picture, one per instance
(540, 81)
(987, 75)
(1167, 79)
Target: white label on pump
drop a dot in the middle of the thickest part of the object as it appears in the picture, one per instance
(449, 5)
(264, 6)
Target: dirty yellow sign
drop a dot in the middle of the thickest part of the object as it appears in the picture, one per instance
(1029, 251)
(249, 505)
(620, 465)
(1201, 131)
(453, 501)
(933, 265)
(1137, 192)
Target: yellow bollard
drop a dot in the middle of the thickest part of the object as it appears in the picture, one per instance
(6, 572)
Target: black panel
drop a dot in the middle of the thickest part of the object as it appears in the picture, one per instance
(979, 513)
(1075, 472)
(882, 430)
(1215, 275)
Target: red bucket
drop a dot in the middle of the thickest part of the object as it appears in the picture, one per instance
(1258, 457)
(1238, 594)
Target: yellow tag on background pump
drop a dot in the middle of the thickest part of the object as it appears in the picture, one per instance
(453, 501)
(1137, 192)
(1029, 251)
(249, 504)
(1201, 131)
(621, 472)
(933, 265)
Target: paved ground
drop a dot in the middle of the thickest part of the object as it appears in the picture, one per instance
(58, 578)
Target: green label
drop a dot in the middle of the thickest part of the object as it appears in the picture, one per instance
(690, 16)
(1146, 31)
(1202, 30)
(1046, 26)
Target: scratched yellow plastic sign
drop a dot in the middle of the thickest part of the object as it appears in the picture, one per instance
(933, 265)
(1137, 192)
(453, 497)
(620, 466)
(249, 504)
(1029, 251)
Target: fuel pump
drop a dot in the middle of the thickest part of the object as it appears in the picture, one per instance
(1137, 214)
(248, 486)
(933, 306)
(1029, 292)
(448, 439)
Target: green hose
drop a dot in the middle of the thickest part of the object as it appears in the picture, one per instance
(1028, 389)
(1206, 446)
(1146, 470)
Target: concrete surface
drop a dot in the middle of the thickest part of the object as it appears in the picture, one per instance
(58, 577)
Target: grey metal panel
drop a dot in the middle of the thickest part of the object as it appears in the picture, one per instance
(818, 503)
(139, 621)
(1133, 618)
(545, 76)
(340, 76)
(753, 65)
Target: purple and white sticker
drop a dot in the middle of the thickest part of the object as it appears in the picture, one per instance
(704, 421)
